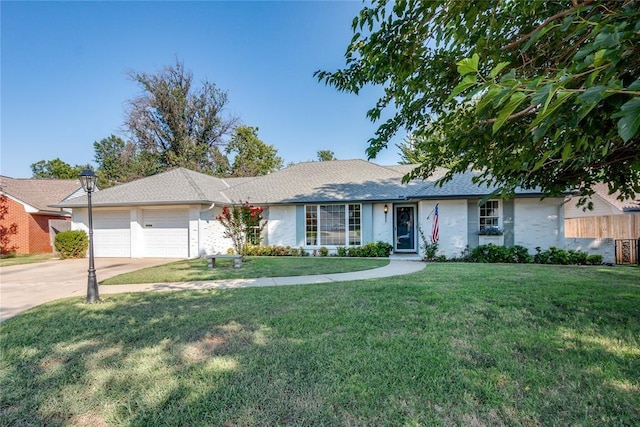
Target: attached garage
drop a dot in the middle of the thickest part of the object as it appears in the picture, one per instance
(111, 234)
(165, 233)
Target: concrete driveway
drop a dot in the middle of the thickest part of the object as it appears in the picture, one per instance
(25, 286)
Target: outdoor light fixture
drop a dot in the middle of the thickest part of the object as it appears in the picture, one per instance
(88, 180)
(386, 211)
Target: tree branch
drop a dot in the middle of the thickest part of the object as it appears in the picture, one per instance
(547, 22)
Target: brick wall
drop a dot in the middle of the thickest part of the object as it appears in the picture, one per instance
(33, 230)
(17, 215)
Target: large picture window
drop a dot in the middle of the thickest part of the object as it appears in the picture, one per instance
(333, 225)
(490, 215)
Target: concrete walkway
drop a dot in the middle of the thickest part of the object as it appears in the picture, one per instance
(394, 268)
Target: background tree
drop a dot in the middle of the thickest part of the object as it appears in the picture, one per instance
(177, 122)
(413, 149)
(251, 156)
(55, 168)
(119, 161)
(529, 93)
(325, 155)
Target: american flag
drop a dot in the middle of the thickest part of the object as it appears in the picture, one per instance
(435, 231)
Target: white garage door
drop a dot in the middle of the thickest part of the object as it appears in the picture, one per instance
(166, 233)
(111, 234)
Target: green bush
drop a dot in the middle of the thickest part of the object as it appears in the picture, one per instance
(594, 259)
(369, 250)
(521, 254)
(491, 253)
(555, 255)
(71, 244)
(378, 249)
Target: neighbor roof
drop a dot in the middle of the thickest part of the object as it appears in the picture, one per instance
(602, 190)
(307, 182)
(39, 193)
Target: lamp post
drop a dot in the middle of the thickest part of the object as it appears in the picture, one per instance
(88, 180)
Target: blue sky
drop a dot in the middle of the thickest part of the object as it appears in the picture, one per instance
(64, 73)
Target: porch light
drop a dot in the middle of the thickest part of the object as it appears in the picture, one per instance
(386, 211)
(88, 181)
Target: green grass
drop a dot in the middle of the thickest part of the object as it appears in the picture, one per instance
(24, 259)
(253, 267)
(455, 344)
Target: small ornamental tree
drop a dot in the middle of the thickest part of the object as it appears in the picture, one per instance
(6, 230)
(243, 224)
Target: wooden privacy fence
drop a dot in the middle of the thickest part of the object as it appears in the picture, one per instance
(625, 226)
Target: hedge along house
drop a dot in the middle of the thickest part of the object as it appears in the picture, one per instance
(330, 204)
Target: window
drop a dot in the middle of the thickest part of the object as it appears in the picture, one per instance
(490, 215)
(332, 225)
(354, 225)
(312, 225)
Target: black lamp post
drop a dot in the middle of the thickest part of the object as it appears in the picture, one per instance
(88, 180)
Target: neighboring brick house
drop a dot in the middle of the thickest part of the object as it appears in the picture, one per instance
(28, 203)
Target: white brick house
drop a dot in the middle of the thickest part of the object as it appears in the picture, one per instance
(311, 205)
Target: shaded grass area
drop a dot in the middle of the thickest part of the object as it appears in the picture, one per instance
(24, 259)
(252, 267)
(455, 344)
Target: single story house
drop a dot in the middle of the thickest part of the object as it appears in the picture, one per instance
(27, 206)
(328, 204)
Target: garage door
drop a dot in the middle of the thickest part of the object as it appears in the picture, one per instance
(111, 234)
(166, 233)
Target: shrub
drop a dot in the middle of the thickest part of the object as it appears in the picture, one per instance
(594, 259)
(71, 244)
(323, 251)
(577, 257)
(491, 253)
(555, 255)
(520, 254)
(342, 251)
(384, 249)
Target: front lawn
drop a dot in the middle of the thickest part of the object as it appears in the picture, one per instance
(455, 344)
(24, 259)
(252, 267)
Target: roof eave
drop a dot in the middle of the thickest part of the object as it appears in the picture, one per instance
(141, 203)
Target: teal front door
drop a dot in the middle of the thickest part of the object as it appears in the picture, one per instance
(405, 228)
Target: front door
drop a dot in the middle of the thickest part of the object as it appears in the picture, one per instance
(405, 228)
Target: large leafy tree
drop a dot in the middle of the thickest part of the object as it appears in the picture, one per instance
(533, 94)
(119, 161)
(177, 121)
(251, 156)
(55, 168)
